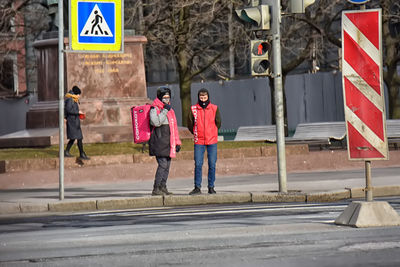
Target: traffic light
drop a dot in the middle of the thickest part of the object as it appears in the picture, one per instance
(260, 63)
(257, 16)
(299, 6)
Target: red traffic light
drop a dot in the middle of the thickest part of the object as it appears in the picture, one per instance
(261, 48)
(260, 63)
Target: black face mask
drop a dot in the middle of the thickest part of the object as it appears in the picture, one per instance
(204, 104)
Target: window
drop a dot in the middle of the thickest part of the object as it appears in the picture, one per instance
(6, 77)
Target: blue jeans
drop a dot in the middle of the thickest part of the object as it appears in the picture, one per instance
(198, 163)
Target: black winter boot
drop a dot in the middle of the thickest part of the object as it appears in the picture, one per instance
(67, 154)
(83, 156)
(164, 189)
(68, 148)
(157, 191)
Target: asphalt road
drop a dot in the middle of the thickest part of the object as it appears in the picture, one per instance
(231, 235)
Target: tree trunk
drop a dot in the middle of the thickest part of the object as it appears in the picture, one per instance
(396, 110)
(272, 88)
(391, 56)
(186, 100)
(394, 104)
(231, 47)
(182, 59)
(273, 114)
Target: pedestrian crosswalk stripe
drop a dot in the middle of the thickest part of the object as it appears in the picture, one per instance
(96, 25)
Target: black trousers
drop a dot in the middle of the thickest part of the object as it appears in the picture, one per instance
(162, 172)
(79, 142)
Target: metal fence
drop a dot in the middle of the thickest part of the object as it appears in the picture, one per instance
(309, 98)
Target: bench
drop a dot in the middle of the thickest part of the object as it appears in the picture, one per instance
(318, 133)
(256, 133)
(393, 132)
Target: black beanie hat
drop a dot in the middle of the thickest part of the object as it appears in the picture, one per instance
(163, 90)
(203, 90)
(76, 90)
(205, 103)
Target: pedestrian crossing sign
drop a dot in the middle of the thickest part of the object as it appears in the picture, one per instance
(96, 25)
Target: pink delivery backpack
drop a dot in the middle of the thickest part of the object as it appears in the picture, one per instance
(141, 123)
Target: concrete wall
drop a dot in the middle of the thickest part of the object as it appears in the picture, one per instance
(13, 113)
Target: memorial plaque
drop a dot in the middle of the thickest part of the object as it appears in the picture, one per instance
(109, 75)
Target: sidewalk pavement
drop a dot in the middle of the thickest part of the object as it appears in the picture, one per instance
(314, 177)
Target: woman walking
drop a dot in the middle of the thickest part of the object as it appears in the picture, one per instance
(71, 113)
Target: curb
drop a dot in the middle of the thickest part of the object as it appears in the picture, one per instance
(128, 203)
(381, 191)
(20, 165)
(89, 205)
(187, 200)
(261, 197)
(329, 196)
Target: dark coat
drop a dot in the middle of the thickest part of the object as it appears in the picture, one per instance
(71, 113)
(159, 143)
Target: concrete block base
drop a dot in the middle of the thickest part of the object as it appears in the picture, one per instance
(369, 214)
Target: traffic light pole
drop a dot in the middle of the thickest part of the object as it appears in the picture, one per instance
(278, 96)
(61, 97)
(265, 15)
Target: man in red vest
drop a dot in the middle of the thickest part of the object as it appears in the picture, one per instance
(203, 122)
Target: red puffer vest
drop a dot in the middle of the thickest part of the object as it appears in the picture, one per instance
(204, 130)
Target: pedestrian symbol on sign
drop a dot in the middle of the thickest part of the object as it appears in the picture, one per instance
(96, 25)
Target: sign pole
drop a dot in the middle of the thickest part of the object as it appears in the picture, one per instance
(61, 97)
(368, 181)
(279, 113)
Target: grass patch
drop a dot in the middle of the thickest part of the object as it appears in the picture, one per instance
(101, 149)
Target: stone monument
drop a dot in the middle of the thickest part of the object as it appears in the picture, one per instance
(111, 84)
